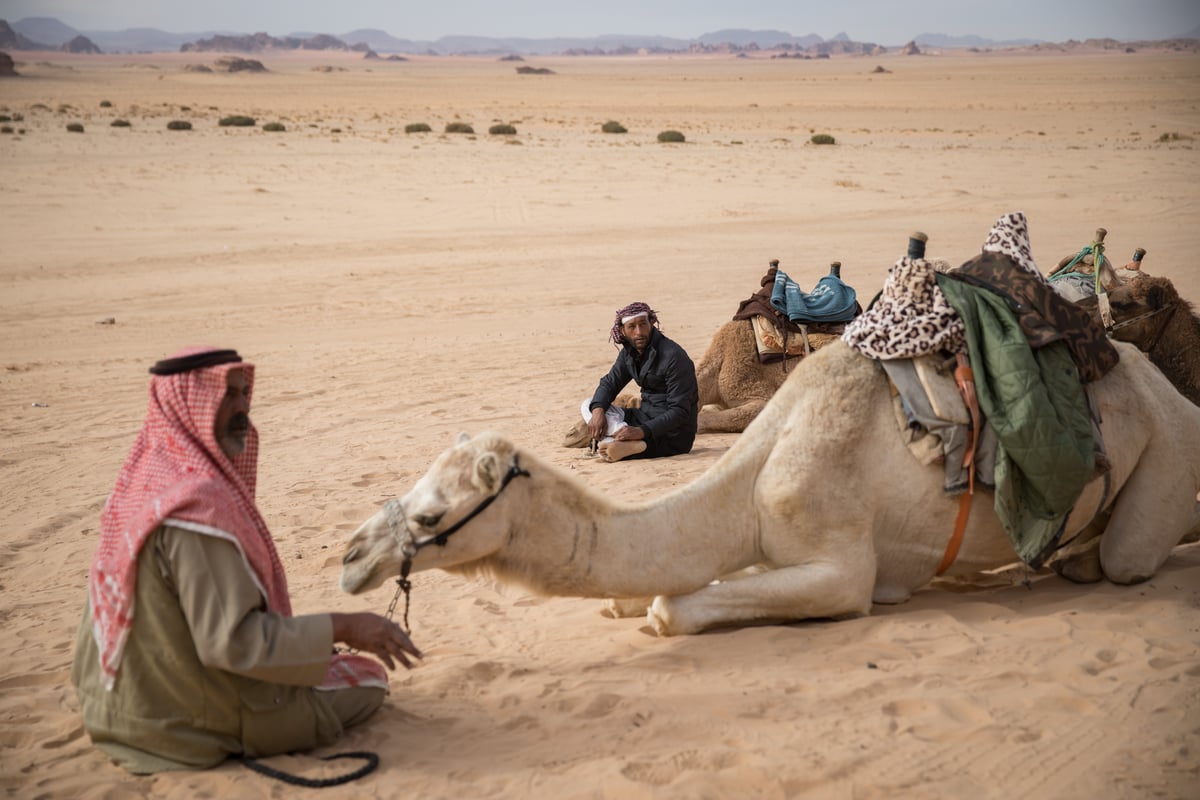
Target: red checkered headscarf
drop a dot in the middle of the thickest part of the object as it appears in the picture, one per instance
(177, 473)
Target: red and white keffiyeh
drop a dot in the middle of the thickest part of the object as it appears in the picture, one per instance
(177, 472)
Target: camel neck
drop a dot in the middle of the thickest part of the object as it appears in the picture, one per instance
(572, 542)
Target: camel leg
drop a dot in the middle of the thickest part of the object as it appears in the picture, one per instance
(576, 435)
(1150, 517)
(627, 607)
(1081, 566)
(729, 420)
(816, 590)
(1193, 534)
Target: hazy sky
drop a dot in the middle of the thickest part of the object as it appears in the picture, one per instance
(880, 21)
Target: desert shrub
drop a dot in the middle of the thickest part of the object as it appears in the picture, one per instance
(18, 117)
(75, 127)
(119, 123)
(458, 127)
(179, 125)
(417, 127)
(822, 138)
(106, 104)
(670, 136)
(502, 130)
(274, 127)
(1173, 137)
(236, 121)
(6, 129)
(612, 126)
(5, 118)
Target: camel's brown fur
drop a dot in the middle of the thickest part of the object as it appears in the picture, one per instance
(1170, 337)
(734, 386)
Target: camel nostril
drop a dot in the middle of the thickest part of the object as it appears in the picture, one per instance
(350, 556)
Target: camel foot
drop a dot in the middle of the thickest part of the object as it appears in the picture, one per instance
(615, 451)
(577, 436)
(1083, 567)
(627, 607)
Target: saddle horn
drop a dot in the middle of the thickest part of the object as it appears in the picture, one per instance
(916, 244)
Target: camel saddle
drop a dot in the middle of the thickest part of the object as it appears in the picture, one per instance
(777, 337)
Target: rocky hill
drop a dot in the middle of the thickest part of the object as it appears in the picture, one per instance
(259, 42)
(46, 33)
(14, 40)
(80, 44)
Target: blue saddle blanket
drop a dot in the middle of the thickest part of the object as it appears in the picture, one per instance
(830, 301)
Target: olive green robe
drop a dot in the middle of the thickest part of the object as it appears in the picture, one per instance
(207, 672)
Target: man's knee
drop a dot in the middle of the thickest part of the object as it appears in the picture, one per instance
(356, 704)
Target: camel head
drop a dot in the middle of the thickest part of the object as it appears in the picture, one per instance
(419, 526)
(1139, 307)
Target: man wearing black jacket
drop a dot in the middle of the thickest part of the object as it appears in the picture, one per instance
(665, 424)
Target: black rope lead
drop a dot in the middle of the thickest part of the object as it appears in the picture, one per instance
(318, 783)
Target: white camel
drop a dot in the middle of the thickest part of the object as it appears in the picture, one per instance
(820, 496)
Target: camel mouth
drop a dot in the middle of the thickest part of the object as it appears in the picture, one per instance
(358, 572)
(351, 581)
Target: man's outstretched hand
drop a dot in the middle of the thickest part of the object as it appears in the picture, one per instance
(376, 635)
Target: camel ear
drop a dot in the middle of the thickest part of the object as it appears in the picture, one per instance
(1156, 298)
(487, 472)
(463, 438)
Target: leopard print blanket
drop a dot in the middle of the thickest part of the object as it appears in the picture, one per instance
(912, 316)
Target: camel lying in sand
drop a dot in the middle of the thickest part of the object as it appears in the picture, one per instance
(819, 496)
(734, 387)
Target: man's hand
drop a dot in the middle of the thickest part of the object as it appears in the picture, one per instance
(629, 434)
(597, 425)
(376, 635)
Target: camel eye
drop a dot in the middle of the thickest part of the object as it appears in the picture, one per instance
(428, 520)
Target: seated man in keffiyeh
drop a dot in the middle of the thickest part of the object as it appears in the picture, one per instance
(188, 651)
(665, 423)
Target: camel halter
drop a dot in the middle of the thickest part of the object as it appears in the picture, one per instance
(1154, 342)
(395, 512)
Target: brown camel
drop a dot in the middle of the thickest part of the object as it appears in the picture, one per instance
(733, 385)
(1148, 312)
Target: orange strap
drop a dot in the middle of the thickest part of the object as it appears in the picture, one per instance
(965, 379)
(960, 527)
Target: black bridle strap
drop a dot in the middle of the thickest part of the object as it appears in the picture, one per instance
(440, 540)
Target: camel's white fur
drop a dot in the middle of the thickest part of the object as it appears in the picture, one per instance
(819, 490)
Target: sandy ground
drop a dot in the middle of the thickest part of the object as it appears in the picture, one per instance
(397, 289)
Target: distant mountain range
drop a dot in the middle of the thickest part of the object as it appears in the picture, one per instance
(47, 33)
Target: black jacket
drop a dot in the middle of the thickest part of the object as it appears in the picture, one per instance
(670, 399)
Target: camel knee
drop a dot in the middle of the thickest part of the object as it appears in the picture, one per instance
(1125, 567)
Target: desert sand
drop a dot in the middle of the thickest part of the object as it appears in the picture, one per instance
(397, 289)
